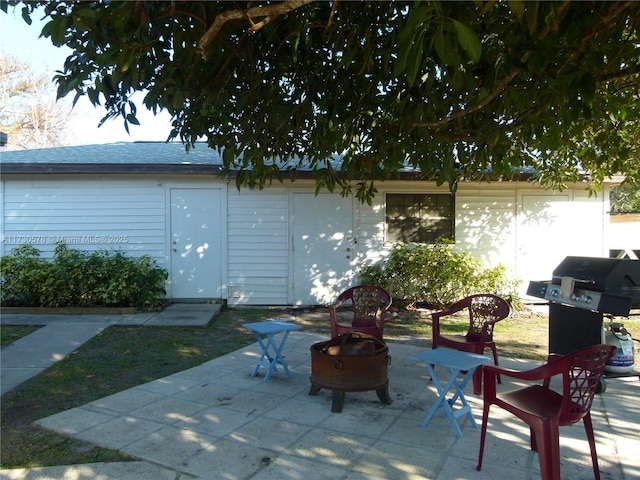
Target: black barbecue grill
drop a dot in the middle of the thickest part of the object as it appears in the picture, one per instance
(581, 292)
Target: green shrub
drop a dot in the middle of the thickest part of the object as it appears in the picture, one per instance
(21, 276)
(437, 275)
(75, 278)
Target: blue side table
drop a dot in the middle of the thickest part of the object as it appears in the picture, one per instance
(455, 362)
(269, 330)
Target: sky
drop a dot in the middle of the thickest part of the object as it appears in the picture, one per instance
(21, 41)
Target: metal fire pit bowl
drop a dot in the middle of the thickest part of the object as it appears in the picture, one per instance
(350, 363)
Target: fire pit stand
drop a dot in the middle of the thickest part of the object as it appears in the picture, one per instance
(350, 363)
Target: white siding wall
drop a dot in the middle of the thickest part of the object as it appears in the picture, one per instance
(132, 214)
(370, 233)
(485, 223)
(87, 213)
(258, 240)
(487, 220)
(624, 232)
(588, 218)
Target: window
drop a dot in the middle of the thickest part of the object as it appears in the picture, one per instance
(419, 217)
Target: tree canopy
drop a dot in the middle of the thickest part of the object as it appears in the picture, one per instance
(456, 90)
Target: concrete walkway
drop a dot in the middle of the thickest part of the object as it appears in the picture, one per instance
(62, 334)
(215, 421)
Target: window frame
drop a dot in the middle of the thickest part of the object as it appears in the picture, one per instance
(422, 194)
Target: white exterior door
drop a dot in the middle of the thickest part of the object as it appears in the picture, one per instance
(544, 234)
(552, 227)
(196, 243)
(323, 247)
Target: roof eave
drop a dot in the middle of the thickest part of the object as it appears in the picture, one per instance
(201, 169)
(108, 168)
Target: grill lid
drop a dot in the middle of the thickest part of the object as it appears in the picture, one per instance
(600, 274)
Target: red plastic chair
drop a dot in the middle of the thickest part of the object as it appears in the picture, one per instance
(545, 410)
(369, 304)
(485, 310)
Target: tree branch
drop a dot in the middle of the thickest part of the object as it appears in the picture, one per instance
(463, 113)
(622, 75)
(333, 11)
(266, 13)
(505, 83)
(602, 26)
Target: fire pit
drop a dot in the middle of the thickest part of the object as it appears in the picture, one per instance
(350, 363)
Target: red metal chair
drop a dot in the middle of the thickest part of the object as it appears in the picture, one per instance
(369, 304)
(485, 310)
(545, 410)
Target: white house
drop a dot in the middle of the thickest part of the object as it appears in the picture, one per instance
(282, 245)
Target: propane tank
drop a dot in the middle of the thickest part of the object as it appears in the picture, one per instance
(615, 334)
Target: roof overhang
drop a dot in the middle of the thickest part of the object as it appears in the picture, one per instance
(108, 168)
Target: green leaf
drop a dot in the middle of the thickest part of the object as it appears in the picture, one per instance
(131, 118)
(94, 96)
(415, 20)
(445, 50)
(25, 14)
(81, 24)
(413, 27)
(413, 67)
(58, 31)
(440, 45)
(588, 87)
(532, 16)
(517, 7)
(468, 40)
(228, 156)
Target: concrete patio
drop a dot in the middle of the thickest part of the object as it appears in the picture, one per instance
(215, 421)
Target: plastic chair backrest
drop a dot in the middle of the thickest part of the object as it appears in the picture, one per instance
(544, 409)
(582, 372)
(482, 308)
(369, 304)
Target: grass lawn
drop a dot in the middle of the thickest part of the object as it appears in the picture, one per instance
(116, 359)
(122, 357)
(10, 334)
